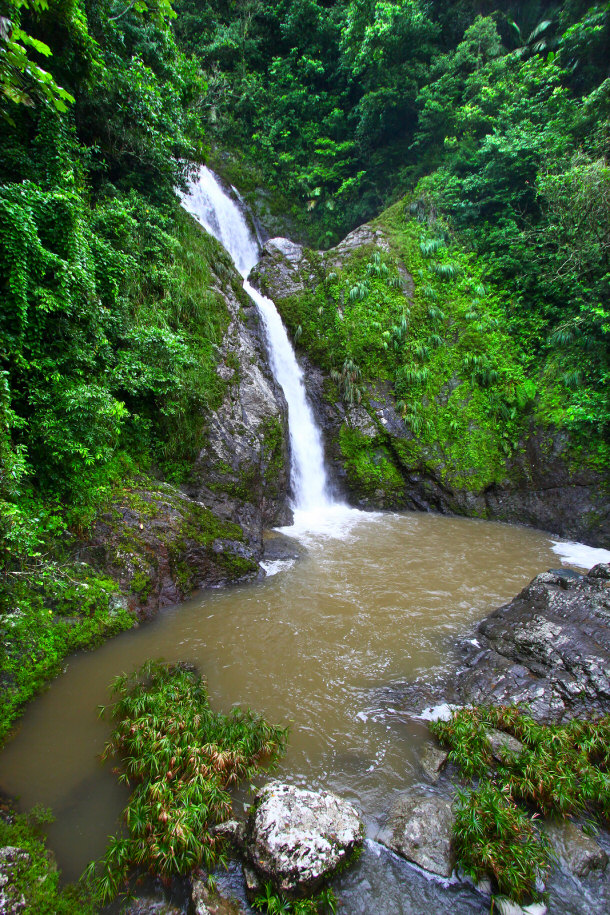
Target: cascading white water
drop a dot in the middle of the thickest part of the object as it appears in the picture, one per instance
(221, 216)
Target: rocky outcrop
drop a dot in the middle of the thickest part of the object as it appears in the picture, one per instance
(242, 472)
(160, 546)
(296, 839)
(380, 462)
(161, 542)
(549, 648)
(419, 829)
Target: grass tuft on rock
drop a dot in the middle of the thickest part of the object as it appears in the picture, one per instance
(274, 903)
(561, 770)
(181, 759)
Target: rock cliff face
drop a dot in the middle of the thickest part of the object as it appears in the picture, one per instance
(161, 542)
(242, 472)
(379, 460)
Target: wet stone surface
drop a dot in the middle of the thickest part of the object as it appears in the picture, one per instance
(419, 829)
(296, 838)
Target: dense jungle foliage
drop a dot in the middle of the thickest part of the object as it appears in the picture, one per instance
(492, 119)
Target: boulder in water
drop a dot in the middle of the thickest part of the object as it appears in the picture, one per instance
(296, 839)
(419, 829)
(549, 648)
(207, 901)
(433, 760)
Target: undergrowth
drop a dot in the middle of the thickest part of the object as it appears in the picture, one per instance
(563, 769)
(35, 877)
(180, 759)
(274, 903)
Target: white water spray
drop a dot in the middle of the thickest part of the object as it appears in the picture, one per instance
(314, 507)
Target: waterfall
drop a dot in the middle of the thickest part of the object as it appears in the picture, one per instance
(210, 204)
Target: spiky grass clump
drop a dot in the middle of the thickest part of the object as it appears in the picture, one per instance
(274, 903)
(562, 769)
(181, 758)
(494, 837)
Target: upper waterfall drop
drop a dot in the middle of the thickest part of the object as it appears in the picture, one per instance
(209, 203)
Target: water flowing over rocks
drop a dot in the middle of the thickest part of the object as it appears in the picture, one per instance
(297, 838)
(242, 472)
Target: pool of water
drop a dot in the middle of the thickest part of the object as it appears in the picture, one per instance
(376, 600)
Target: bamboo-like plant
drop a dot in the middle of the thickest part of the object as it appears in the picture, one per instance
(180, 758)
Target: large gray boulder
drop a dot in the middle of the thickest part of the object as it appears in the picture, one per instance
(419, 829)
(548, 648)
(296, 838)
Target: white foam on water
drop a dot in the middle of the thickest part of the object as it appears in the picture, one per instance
(441, 712)
(275, 566)
(579, 554)
(331, 521)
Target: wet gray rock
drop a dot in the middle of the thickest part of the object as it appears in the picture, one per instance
(231, 830)
(252, 881)
(297, 838)
(207, 901)
(419, 829)
(13, 861)
(549, 648)
(151, 906)
(433, 760)
(577, 852)
(503, 744)
(364, 235)
(243, 470)
(284, 265)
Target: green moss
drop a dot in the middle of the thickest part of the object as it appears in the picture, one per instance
(272, 434)
(371, 471)
(65, 609)
(37, 878)
(463, 386)
(141, 585)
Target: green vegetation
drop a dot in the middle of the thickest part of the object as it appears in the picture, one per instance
(111, 319)
(561, 770)
(495, 128)
(274, 903)
(181, 759)
(438, 339)
(36, 877)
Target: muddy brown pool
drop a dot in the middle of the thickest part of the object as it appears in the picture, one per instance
(316, 645)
